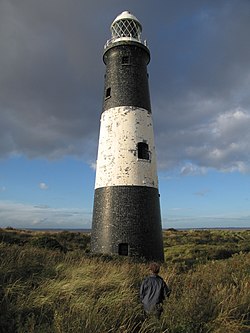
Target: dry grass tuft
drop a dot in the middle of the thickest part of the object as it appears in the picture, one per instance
(47, 290)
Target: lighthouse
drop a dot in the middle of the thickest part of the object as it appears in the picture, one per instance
(126, 212)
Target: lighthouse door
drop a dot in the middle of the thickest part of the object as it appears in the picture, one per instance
(123, 249)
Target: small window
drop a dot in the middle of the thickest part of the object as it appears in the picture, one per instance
(108, 93)
(123, 249)
(143, 152)
(125, 60)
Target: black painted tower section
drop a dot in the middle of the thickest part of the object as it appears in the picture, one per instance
(126, 218)
(127, 215)
(126, 75)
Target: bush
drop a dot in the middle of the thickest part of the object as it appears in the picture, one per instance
(48, 243)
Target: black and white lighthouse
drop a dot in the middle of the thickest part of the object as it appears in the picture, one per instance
(126, 213)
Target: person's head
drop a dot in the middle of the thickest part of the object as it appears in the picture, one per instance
(154, 267)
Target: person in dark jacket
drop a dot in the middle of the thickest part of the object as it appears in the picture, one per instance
(154, 291)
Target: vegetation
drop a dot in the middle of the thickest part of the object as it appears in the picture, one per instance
(50, 283)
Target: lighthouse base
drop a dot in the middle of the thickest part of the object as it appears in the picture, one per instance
(127, 221)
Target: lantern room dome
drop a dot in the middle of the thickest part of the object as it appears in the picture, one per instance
(126, 15)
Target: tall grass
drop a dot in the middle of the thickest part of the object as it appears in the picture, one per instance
(48, 290)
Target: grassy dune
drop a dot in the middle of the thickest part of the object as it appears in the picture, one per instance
(49, 282)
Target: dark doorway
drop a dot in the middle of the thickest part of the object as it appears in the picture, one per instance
(123, 249)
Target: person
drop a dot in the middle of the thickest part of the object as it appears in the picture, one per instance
(153, 291)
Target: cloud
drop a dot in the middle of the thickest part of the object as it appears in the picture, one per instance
(202, 193)
(178, 209)
(43, 186)
(226, 145)
(219, 142)
(41, 206)
(186, 222)
(192, 170)
(51, 81)
(93, 165)
(2, 188)
(20, 215)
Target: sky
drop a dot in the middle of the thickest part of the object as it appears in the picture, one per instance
(51, 90)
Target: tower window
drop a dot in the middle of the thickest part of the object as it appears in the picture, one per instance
(123, 249)
(143, 152)
(108, 93)
(125, 60)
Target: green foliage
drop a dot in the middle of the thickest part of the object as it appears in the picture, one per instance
(191, 247)
(46, 289)
(63, 241)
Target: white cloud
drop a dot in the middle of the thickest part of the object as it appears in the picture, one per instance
(19, 215)
(190, 169)
(93, 165)
(43, 186)
(206, 221)
(217, 140)
(2, 189)
(178, 209)
(202, 193)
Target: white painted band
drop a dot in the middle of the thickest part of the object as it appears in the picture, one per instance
(117, 161)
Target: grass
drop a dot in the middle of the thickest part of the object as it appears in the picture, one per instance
(57, 286)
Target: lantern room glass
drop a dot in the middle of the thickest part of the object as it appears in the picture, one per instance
(126, 28)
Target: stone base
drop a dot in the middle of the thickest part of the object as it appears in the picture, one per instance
(127, 221)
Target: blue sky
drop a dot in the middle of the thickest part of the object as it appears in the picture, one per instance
(51, 86)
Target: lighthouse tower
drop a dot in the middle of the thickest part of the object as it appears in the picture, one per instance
(126, 214)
